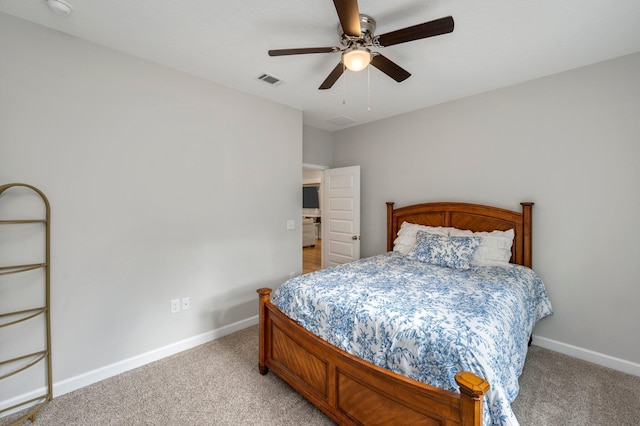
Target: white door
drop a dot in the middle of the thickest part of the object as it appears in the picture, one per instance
(341, 216)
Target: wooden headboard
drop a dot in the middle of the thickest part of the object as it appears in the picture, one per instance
(474, 217)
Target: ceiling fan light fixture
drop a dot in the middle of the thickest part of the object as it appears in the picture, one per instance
(356, 58)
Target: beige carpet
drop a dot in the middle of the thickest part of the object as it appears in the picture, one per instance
(218, 384)
(556, 389)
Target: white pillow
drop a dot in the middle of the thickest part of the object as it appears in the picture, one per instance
(406, 238)
(494, 248)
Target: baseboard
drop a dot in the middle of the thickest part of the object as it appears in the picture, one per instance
(90, 377)
(86, 379)
(588, 355)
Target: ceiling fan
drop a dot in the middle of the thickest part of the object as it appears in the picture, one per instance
(357, 38)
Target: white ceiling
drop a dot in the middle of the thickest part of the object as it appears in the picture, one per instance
(495, 43)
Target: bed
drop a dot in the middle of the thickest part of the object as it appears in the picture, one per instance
(368, 388)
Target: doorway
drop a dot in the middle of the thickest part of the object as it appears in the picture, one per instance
(312, 179)
(336, 219)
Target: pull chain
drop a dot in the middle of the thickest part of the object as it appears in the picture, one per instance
(344, 85)
(368, 88)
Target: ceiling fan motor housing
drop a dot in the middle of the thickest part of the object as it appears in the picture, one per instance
(367, 28)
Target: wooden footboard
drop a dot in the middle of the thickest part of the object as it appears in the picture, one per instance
(352, 391)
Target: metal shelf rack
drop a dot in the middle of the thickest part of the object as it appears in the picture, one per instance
(28, 315)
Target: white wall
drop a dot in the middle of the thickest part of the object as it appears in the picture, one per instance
(317, 146)
(568, 142)
(162, 186)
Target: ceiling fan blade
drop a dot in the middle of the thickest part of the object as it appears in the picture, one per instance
(390, 68)
(417, 32)
(332, 77)
(302, 51)
(349, 16)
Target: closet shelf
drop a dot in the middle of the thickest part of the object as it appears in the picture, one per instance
(37, 357)
(21, 221)
(6, 270)
(29, 313)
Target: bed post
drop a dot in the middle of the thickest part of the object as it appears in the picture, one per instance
(527, 223)
(262, 354)
(390, 236)
(472, 390)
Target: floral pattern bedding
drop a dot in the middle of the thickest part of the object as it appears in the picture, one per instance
(424, 321)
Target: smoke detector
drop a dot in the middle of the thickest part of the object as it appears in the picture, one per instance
(59, 7)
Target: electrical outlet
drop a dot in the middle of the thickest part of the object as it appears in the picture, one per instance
(186, 303)
(175, 306)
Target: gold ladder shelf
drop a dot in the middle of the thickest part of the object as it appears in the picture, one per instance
(23, 362)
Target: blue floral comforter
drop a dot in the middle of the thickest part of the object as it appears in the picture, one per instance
(424, 321)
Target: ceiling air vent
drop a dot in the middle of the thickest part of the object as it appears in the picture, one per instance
(341, 121)
(270, 79)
